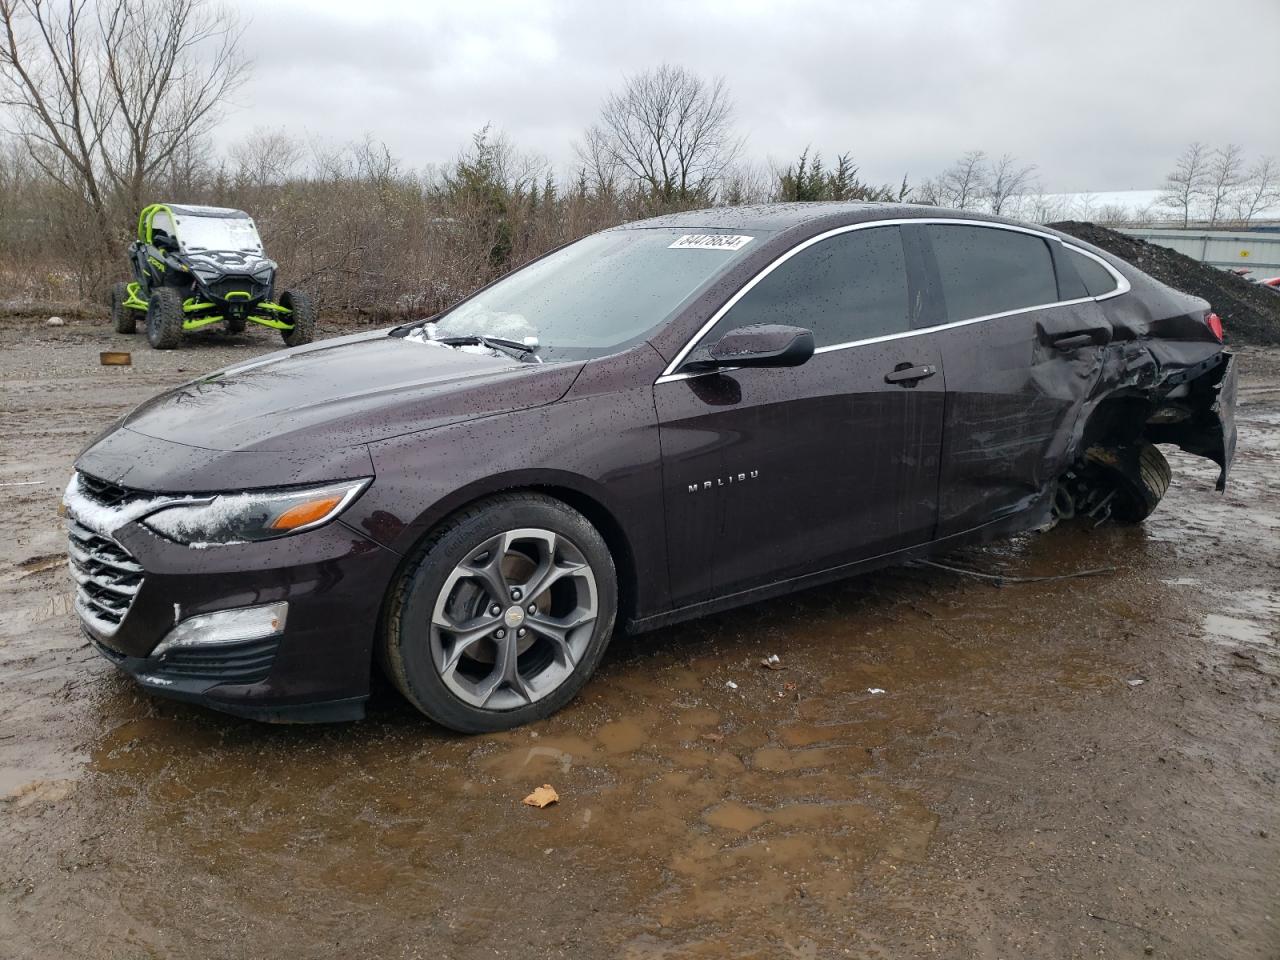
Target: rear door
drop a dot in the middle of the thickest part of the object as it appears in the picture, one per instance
(1022, 344)
(773, 473)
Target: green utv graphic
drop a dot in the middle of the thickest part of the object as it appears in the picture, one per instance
(196, 266)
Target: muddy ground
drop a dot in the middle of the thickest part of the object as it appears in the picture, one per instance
(1015, 791)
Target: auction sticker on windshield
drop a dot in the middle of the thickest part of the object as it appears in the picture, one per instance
(710, 241)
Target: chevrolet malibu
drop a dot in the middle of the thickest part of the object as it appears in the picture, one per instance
(662, 420)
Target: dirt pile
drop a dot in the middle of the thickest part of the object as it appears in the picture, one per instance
(1250, 312)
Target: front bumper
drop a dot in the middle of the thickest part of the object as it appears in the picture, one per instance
(318, 669)
(233, 697)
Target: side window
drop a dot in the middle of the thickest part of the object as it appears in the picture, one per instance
(987, 270)
(852, 286)
(1097, 278)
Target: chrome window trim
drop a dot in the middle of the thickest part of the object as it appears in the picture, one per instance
(669, 374)
(1122, 284)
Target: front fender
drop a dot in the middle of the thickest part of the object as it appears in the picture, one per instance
(424, 477)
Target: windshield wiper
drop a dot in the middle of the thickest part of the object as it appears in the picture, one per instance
(523, 351)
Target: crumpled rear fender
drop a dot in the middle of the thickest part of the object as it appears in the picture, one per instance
(1155, 392)
(1210, 429)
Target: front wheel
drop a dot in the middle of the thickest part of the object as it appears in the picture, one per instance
(502, 614)
(123, 319)
(302, 315)
(164, 318)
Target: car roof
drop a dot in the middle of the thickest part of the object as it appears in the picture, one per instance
(195, 210)
(777, 217)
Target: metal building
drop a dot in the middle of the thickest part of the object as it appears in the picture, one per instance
(1257, 251)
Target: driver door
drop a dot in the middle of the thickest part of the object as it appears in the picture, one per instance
(770, 474)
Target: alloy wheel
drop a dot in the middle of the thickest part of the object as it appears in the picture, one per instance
(513, 619)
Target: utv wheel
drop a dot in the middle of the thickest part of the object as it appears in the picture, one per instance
(164, 318)
(123, 318)
(1140, 476)
(303, 317)
(501, 614)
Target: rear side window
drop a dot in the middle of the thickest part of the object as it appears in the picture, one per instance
(986, 270)
(1097, 278)
(852, 286)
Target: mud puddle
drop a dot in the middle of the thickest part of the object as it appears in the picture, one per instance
(1073, 768)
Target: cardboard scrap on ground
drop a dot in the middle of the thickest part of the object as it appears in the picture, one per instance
(541, 797)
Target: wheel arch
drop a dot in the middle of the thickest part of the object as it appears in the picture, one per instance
(588, 498)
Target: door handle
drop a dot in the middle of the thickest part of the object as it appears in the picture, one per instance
(1068, 340)
(1074, 341)
(907, 375)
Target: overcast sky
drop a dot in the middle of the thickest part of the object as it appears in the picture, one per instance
(1101, 95)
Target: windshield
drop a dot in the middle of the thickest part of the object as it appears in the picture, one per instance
(214, 233)
(598, 295)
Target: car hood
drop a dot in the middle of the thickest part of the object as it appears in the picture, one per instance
(343, 392)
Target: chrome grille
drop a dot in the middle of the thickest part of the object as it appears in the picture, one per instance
(104, 492)
(107, 577)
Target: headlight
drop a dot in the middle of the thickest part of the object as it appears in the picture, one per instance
(264, 515)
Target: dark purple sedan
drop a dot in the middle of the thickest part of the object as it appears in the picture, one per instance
(662, 420)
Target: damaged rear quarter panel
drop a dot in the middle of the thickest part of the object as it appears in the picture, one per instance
(1015, 404)
(1021, 411)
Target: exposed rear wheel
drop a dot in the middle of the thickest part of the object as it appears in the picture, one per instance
(164, 318)
(303, 317)
(1137, 476)
(502, 614)
(123, 318)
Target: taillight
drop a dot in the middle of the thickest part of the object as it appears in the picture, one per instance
(1214, 323)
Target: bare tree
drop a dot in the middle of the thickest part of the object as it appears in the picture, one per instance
(1259, 190)
(966, 182)
(1223, 176)
(1007, 178)
(747, 183)
(669, 132)
(1085, 206)
(107, 95)
(598, 168)
(1113, 213)
(1145, 215)
(929, 192)
(266, 158)
(1186, 181)
(1045, 208)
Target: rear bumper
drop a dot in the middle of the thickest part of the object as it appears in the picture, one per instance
(1224, 413)
(1210, 430)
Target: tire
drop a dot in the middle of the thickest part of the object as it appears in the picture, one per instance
(164, 318)
(1140, 477)
(124, 319)
(438, 590)
(304, 318)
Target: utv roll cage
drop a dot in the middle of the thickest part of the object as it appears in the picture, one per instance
(195, 266)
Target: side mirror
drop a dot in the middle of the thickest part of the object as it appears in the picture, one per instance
(759, 345)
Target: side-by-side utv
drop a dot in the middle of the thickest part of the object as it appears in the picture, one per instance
(197, 266)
